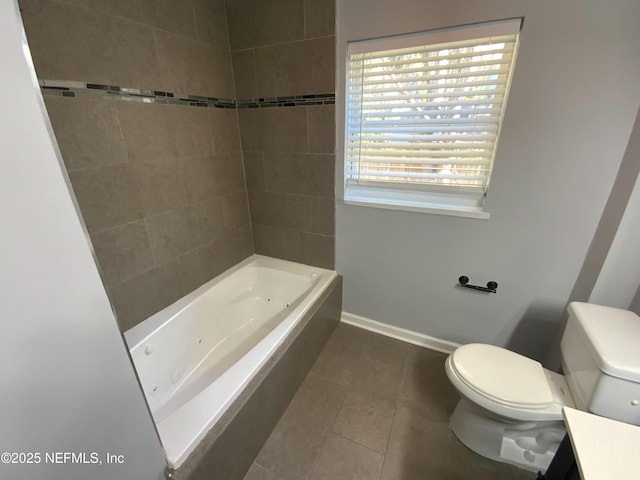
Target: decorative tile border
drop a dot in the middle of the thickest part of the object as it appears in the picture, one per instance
(291, 101)
(67, 88)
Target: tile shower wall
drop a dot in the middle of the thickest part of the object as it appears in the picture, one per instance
(161, 187)
(286, 48)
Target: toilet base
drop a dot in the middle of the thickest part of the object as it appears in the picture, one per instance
(528, 445)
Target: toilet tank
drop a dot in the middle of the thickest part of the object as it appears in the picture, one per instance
(601, 360)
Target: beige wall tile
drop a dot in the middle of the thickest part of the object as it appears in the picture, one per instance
(211, 220)
(273, 129)
(188, 131)
(145, 294)
(190, 66)
(232, 247)
(318, 250)
(297, 68)
(319, 18)
(280, 209)
(146, 130)
(256, 22)
(224, 130)
(199, 177)
(286, 243)
(229, 173)
(176, 232)
(123, 252)
(74, 43)
(244, 74)
(262, 239)
(211, 22)
(309, 174)
(161, 185)
(322, 215)
(175, 16)
(211, 175)
(322, 127)
(236, 209)
(87, 131)
(143, 11)
(254, 171)
(107, 196)
(172, 233)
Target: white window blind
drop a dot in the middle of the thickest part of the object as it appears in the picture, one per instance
(423, 112)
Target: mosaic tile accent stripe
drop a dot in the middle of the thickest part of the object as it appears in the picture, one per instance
(292, 101)
(66, 88)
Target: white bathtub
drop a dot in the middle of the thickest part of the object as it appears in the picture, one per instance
(195, 356)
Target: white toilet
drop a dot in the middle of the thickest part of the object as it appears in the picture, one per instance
(511, 407)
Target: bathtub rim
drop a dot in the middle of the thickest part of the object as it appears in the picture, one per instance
(141, 332)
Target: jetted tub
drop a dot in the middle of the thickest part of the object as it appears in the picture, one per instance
(195, 356)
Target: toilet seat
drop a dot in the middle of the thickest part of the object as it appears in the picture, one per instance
(502, 375)
(496, 401)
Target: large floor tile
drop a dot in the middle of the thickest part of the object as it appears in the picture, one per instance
(426, 385)
(258, 472)
(383, 362)
(373, 408)
(366, 416)
(345, 460)
(418, 447)
(340, 356)
(297, 438)
(367, 412)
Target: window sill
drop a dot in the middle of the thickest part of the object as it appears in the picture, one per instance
(455, 211)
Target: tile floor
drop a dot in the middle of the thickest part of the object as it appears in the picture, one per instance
(373, 408)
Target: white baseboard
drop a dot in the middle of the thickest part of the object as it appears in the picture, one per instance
(398, 333)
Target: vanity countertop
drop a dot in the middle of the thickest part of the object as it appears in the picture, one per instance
(604, 449)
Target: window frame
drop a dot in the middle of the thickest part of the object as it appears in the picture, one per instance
(433, 199)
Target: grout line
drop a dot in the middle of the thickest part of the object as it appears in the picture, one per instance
(280, 44)
(195, 23)
(359, 443)
(151, 251)
(108, 229)
(304, 20)
(246, 187)
(172, 259)
(255, 72)
(147, 25)
(393, 423)
(306, 111)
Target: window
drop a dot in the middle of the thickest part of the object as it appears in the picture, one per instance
(423, 115)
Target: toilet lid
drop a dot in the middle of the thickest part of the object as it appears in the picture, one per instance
(502, 375)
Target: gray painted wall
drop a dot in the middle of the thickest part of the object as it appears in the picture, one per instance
(619, 277)
(635, 302)
(572, 105)
(67, 382)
